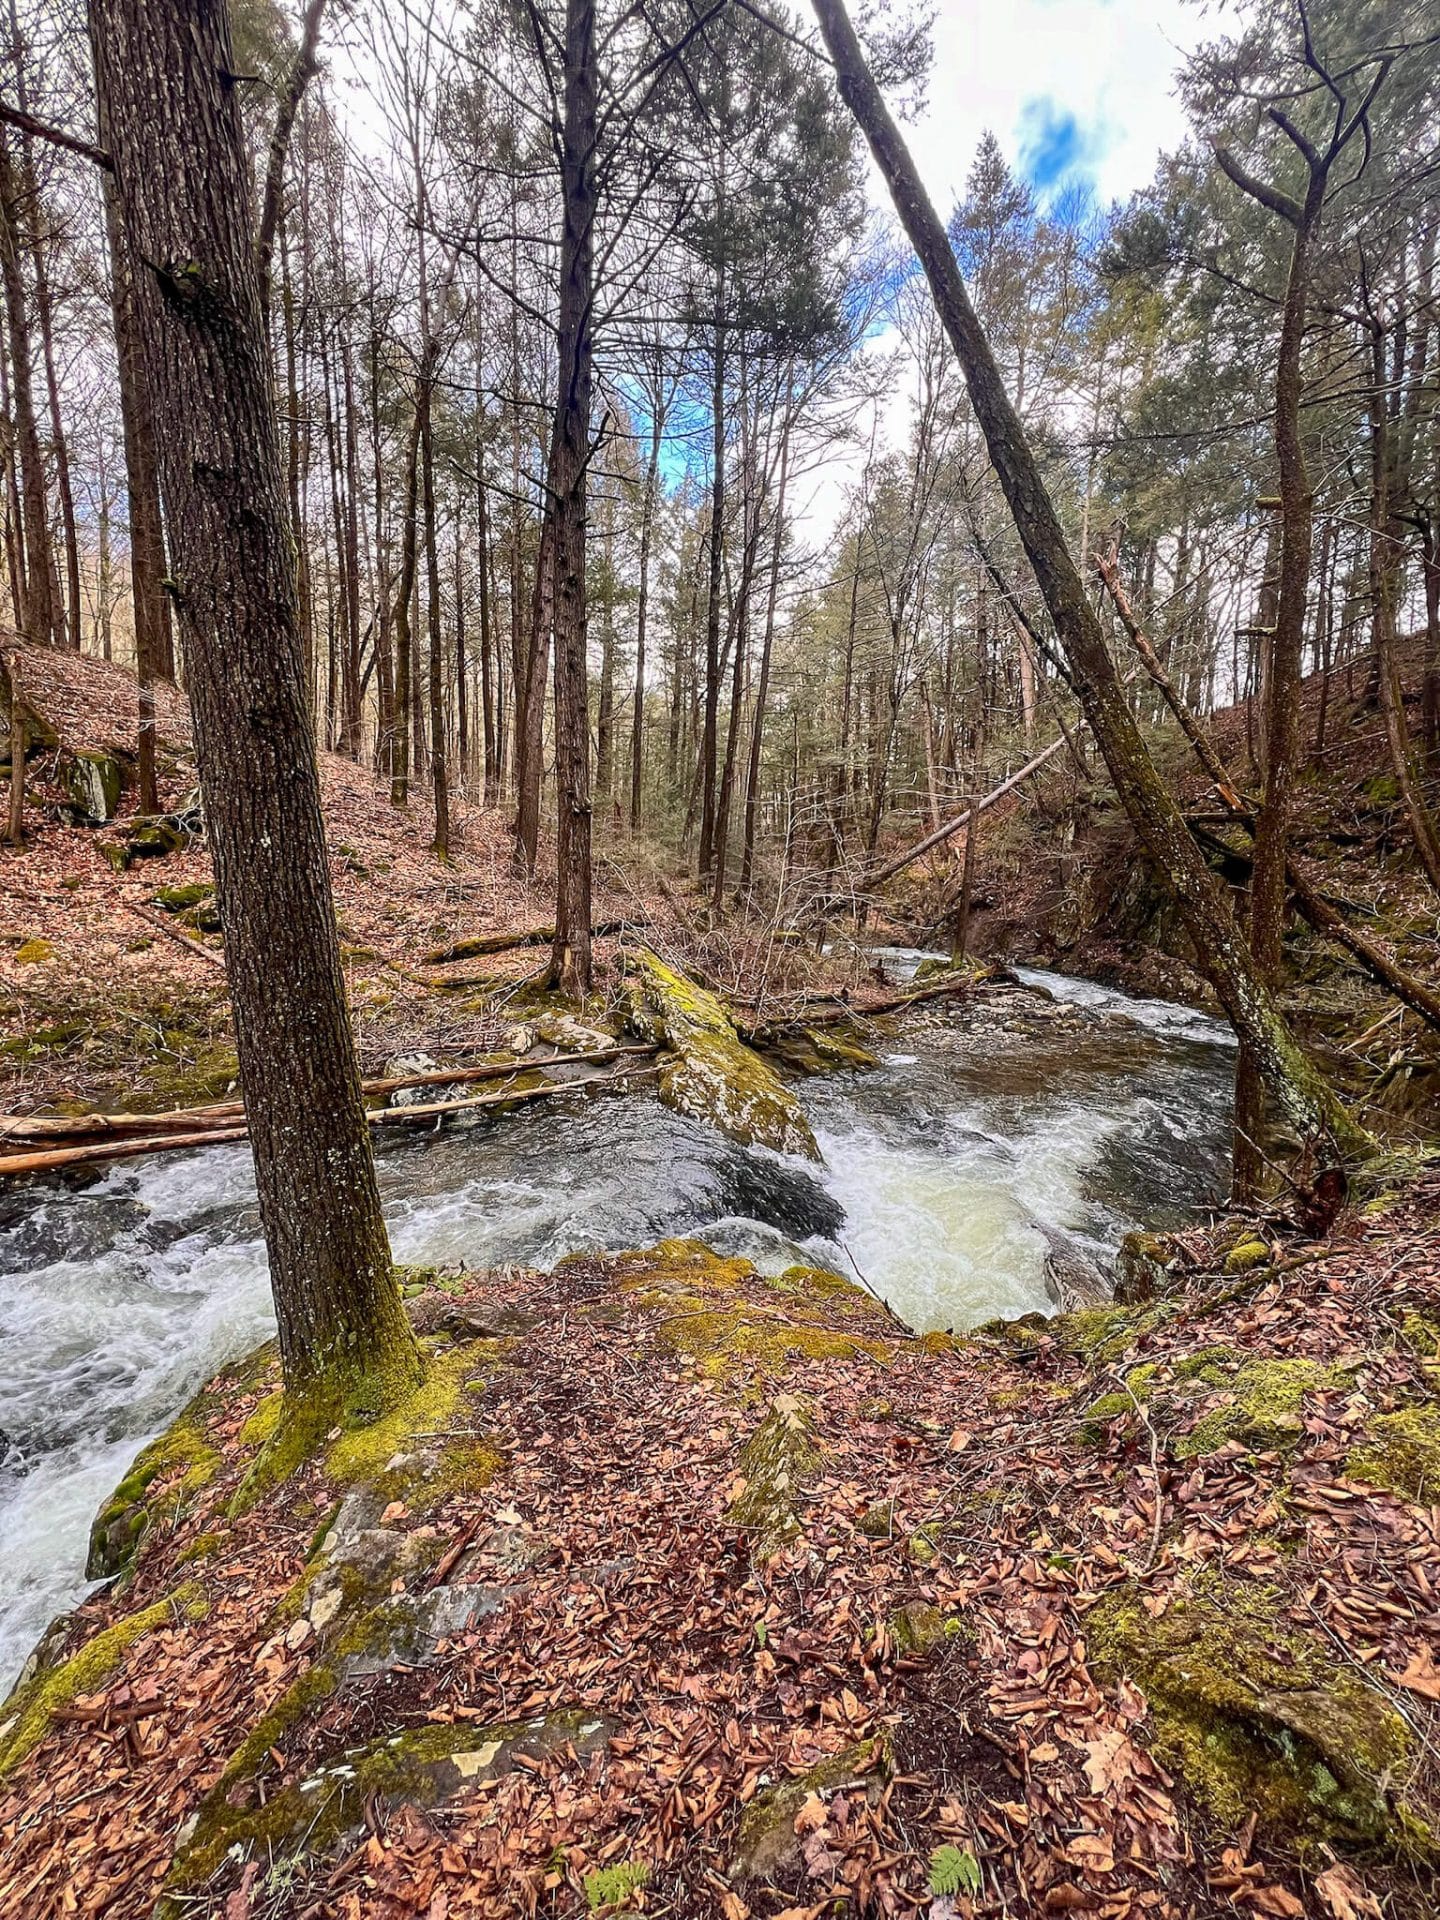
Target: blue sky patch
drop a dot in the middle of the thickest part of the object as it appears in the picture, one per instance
(1056, 151)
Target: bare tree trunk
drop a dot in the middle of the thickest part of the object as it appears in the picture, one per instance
(710, 739)
(642, 611)
(1300, 1091)
(762, 689)
(570, 959)
(147, 556)
(404, 639)
(169, 116)
(40, 618)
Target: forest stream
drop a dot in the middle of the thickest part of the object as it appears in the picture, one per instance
(951, 1176)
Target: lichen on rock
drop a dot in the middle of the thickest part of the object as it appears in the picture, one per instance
(710, 1073)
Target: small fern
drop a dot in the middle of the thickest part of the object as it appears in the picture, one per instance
(612, 1886)
(952, 1871)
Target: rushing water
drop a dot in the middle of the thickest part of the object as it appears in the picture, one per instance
(118, 1299)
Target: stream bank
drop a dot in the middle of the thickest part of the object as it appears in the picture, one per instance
(684, 1588)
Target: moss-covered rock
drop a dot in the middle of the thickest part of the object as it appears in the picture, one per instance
(165, 1476)
(419, 1766)
(709, 1308)
(1246, 1255)
(1262, 1407)
(768, 1844)
(777, 1460)
(710, 1073)
(92, 780)
(1140, 1268)
(1400, 1452)
(1256, 1715)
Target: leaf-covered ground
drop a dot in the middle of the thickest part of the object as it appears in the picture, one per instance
(685, 1591)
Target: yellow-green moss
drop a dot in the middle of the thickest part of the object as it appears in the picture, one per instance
(32, 952)
(364, 1455)
(767, 1843)
(1401, 1453)
(1263, 1407)
(1246, 1255)
(167, 1473)
(33, 1709)
(777, 1460)
(709, 1072)
(1254, 1713)
(705, 1309)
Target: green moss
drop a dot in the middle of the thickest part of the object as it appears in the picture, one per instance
(32, 1711)
(1401, 1453)
(612, 1887)
(1263, 1408)
(777, 1460)
(705, 1309)
(1254, 1714)
(32, 952)
(377, 1449)
(767, 1843)
(709, 1073)
(203, 1547)
(1247, 1255)
(418, 1766)
(180, 899)
(167, 1473)
(917, 1628)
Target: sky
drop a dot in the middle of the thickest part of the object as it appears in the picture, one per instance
(1079, 93)
(1072, 89)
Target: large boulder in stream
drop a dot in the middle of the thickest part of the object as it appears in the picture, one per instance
(710, 1073)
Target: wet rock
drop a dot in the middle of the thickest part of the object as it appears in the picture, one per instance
(1141, 1269)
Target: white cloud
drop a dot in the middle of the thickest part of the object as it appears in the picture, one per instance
(1110, 63)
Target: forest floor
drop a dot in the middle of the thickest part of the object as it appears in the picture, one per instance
(108, 999)
(683, 1591)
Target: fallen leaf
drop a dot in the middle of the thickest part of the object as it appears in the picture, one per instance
(1343, 1891)
(1420, 1674)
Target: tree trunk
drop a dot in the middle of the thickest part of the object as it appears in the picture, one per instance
(40, 617)
(710, 738)
(570, 959)
(147, 554)
(1299, 1090)
(642, 611)
(169, 116)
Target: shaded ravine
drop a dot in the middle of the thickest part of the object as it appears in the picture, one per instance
(117, 1301)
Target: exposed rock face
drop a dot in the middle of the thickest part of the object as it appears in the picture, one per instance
(92, 781)
(711, 1074)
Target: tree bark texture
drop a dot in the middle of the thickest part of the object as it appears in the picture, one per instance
(170, 117)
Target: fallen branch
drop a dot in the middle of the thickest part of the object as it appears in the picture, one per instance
(52, 1161)
(903, 860)
(477, 946)
(1378, 962)
(162, 925)
(204, 1119)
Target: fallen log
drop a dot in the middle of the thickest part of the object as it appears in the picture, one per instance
(476, 946)
(197, 1119)
(57, 1158)
(826, 1015)
(983, 805)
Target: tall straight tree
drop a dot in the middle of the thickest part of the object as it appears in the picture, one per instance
(169, 117)
(1298, 1088)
